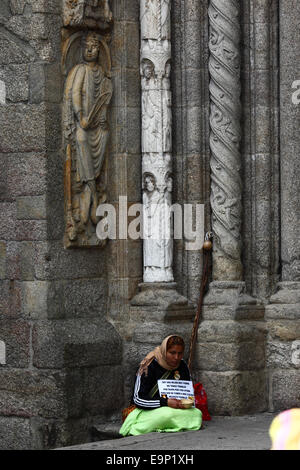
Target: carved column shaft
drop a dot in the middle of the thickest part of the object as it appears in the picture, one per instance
(156, 139)
(225, 137)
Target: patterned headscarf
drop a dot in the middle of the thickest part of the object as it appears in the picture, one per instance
(159, 354)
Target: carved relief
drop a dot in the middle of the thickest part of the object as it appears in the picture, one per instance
(87, 95)
(156, 139)
(91, 14)
(151, 109)
(157, 218)
(225, 89)
(155, 19)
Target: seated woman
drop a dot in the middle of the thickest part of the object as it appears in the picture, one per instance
(155, 413)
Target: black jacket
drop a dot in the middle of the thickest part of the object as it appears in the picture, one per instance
(143, 385)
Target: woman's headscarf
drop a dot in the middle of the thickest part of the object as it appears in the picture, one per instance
(159, 354)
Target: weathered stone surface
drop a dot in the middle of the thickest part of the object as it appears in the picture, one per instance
(15, 434)
(48, 433)
(218, 357)
(160, 294)
(229, 301)
(16, 81)
(75, 343)
(16, 335)
(34, 299)
(2, 260)
(26, 174)
(8, 216)
(234, 393)
(231, 331)
(285, 386)
(20, 260)
(288, 330)
(17, 6)
(159, 331)
(43, 6)
(14, 51)
(30, 230)
(27, 138)
(31, 207)
(32, 393)
(282, 354)
(53, 262)
(102, 396)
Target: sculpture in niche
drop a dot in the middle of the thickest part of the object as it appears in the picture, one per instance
(92, 14)
(88, 92)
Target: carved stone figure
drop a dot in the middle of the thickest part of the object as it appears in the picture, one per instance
(88, 92)
(155, 19)
(158, 244)
(151, 116)
(92, 14)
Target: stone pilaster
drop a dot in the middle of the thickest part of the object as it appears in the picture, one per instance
(230, 353)
(283, 312)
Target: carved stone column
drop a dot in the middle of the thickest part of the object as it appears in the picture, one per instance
(225, 90)
(156, 139)
(158, 307)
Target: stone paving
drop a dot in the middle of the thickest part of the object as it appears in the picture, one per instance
(221, 433)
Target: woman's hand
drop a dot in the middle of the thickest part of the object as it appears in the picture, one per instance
(174, 403)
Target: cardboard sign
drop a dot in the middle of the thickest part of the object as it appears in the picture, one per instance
(176, 388)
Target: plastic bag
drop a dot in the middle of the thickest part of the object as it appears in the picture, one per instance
(201, 401)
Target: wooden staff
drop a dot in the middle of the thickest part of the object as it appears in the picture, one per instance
(207, 246)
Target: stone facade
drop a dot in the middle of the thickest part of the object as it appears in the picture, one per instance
(74, 323)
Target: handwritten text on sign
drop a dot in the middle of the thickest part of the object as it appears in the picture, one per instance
(176, 388)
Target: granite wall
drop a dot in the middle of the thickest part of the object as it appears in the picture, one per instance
(68, 332)
(61, 353)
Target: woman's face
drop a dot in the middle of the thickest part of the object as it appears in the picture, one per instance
(174, 355)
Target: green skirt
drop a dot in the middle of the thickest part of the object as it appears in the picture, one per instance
(164, 419)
